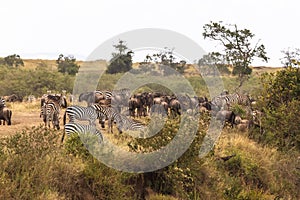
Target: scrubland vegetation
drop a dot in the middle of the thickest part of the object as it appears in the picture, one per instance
(265, 162)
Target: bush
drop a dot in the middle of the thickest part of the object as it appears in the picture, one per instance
(280, 106)
(34, 166)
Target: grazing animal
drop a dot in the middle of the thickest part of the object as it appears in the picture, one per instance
(61, 99)
(2, 102)
(111, 115)
(71, 128)
(50, 113)
(243, 124)
(84, 114)
(5, 115)
(227, 116)
(95, 96)
(222, 102)
(123, 123)
(175, 107)
(137, 103)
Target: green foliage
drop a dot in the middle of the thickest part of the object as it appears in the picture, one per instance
(281, 88)
(280, 103)
(239, 50)
(121, 60)
(36, 82)
(34, 166)
(213, 64)
(166, 59)
(103, 182)
(67, 65)
(12, 61)
(178, 179)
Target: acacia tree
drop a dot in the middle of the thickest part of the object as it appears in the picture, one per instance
(213, 59)
(67, 64)
(13, 61)
(121, 60)
(166, 57)
(239, 50)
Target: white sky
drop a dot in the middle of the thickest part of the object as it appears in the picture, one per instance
(44, 29)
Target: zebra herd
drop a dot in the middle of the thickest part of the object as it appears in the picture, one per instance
(122, 108)
(50, 112)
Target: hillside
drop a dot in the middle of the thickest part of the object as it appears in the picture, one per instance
(33, 63)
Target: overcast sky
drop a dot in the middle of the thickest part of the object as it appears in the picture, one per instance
(44, 29)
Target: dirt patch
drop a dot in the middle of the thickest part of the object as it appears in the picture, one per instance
(20, 121)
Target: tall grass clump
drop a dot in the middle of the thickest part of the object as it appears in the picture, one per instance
(34, 165)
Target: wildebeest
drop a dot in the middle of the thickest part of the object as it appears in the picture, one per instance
(5, 115)
(226, 116)
(175, 108)
(13, 98)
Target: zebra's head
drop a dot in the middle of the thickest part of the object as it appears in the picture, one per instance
(63, 101)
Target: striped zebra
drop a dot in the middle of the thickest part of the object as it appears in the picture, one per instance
(84, 114)
(126, 123)
(222, 102)
(50, 112)
(61, 99)
(122, 122)
(110, 114)
(2, 103)
(71, 128)
(106, 93)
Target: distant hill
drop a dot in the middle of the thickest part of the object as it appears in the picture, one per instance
(33, 63)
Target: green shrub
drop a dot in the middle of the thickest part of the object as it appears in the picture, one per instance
(280, 106)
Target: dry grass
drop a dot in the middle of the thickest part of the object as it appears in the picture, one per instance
(24, 115)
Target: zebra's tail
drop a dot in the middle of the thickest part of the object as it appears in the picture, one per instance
(64, 118)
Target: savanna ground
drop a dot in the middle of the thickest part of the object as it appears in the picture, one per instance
(24, 115)
(256, 172)
(34, 166)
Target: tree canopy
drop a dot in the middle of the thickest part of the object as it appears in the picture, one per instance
(12, 61)
(121, 59)
(239, 49)
(67, 64)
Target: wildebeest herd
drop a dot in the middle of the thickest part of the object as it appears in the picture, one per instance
(122, 108)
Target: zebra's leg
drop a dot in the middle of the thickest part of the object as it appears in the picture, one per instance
(110, 125)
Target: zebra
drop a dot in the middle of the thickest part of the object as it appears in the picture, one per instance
(106, 93)
(2, 103)
(61, 99)
(50, 112)
(111, 115)
(84, 114)
(71, 128)
(123, 123)
(225, 101)
(126, 123)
